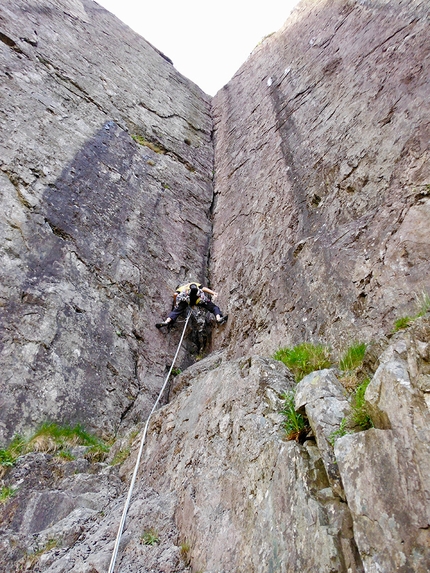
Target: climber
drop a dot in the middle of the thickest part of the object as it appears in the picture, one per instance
(192, 294)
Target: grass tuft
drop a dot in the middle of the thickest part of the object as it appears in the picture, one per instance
(6, 492)
(304, 358)
(402, 323)
(360, 415)
(353, 357)
(185, 548)
(66, 455)
(32, 559)
(295, 424)
(9, 455)
(53, 438)
(150, 537)
(422, 307)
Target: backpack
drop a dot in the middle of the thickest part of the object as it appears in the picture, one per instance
(182, 289)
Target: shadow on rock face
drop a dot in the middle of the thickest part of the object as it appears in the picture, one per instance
(93, 274)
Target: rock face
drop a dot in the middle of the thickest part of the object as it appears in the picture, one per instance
(56, 501)
(96, 228)
(219, 486)
(326, 404)
(320, 232)
(322, 177)
(386, 470)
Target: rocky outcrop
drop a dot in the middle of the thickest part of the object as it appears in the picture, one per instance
(382, 473)
(322, 177)
(105, 178)
(325, 403)
(386, 470)
(218, 486)
(319, 233)
(55, 502)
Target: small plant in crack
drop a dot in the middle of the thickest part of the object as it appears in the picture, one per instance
(6, 492)
(359, 418)
(296, 425)
(339, 433)
(185, 549)
(150, 537)
(32, 558)
(142, 141)
(360, 415)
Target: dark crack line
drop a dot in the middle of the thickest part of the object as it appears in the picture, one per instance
(385, 41)
(58, 74)
(171, 116)
(237, 168)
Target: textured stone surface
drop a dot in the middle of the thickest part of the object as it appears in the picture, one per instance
(325, 403)
(386, 471)
(320, 232)
(322, 173)
(217, 476)
(96, 230)
(55, 501)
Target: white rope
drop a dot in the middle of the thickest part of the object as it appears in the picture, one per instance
(136, 467)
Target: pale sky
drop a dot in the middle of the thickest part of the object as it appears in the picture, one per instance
(207, 41)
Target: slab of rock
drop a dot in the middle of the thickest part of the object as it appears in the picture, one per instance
(54, 502)
(105, 186)
(325, 401)
(389, 513)
(322, 172)
(246, 500)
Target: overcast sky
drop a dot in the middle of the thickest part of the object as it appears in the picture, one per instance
(207, 41)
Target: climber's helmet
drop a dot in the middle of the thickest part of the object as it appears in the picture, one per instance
(193, 288)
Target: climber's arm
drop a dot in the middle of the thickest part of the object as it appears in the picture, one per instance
(209, 291)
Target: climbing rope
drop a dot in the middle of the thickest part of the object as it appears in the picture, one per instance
(136, 467)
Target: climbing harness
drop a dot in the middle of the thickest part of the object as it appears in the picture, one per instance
(136, 467)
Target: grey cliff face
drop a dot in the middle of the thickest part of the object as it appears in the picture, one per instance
(386, 469)
(309, 213)
(95, 227)
(322, 173)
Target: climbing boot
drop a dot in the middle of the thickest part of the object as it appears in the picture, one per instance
(223, 319)
(161, 324)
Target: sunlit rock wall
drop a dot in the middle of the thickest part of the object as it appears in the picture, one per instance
(322, 177)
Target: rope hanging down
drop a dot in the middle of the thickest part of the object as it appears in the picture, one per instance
(136, 467)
